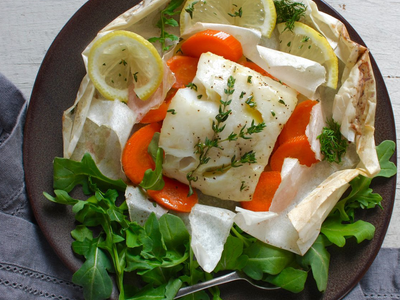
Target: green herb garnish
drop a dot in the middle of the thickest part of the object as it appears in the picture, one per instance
(333, 144)
(237, 13)
(289, 12)
(166, 18)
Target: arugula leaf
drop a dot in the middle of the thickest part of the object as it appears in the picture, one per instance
(318, 257)
(174, 232)
(69, 173)
(153, 180)
(385, 151)
(361, 195)
(263, 258)
(93, 275)
(290, 279)
(232, 257)
(152, 228)
(337, 232)
(61, 197)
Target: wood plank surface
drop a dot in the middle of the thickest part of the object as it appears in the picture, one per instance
(27, 29)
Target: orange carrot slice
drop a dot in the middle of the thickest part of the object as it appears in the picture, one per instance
(135, 158)
(184, 68)
(297, 147)
(174, 196)
(265, 191)
(215, 41)
(158, 114)
(298, 121)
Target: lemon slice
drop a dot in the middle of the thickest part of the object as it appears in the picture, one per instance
(308, 43)
(258, 14)
(121, 58)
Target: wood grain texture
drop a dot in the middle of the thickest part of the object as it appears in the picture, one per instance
(27, 31)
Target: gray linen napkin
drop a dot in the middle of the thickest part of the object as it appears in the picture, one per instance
(29, 269)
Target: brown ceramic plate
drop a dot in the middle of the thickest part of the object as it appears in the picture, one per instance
(55, 90)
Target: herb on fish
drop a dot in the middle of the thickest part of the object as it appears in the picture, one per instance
(333, 144)
(172, 111)
(166, 18)
(250, 102)
(135, 76)
(289, 12)
(203, 148)
(249, 79)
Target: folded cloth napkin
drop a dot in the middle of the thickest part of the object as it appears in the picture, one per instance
(29, 269)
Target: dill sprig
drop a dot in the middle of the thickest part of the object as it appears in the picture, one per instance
(333, 144)
(289, 12)
(166, 18)
(203, 148)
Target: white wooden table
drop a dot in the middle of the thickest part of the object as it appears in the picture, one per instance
(27, 29)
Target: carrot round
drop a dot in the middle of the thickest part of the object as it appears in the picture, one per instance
(174, 196)
(214, 41)
(265, 191)
(158, 114)
(297, 147)
(184, 68)
(135, 158)
(298, 121)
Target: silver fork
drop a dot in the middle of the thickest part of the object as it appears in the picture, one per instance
(233, 276)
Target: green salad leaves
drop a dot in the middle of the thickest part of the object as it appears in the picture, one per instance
(154, 260)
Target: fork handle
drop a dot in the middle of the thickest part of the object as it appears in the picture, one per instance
(207, 284)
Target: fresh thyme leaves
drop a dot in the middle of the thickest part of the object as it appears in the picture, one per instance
(289, 12)
(333, 144)
(166, 18)
(202, 148)
(190, 9)
(250, 102)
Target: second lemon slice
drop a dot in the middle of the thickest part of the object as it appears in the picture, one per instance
(258, 14)
(308, 43)
(121, 58)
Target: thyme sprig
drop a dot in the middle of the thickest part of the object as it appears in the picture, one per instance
(166, 18)
(333, 144)
(289, 12)
(203, 148)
